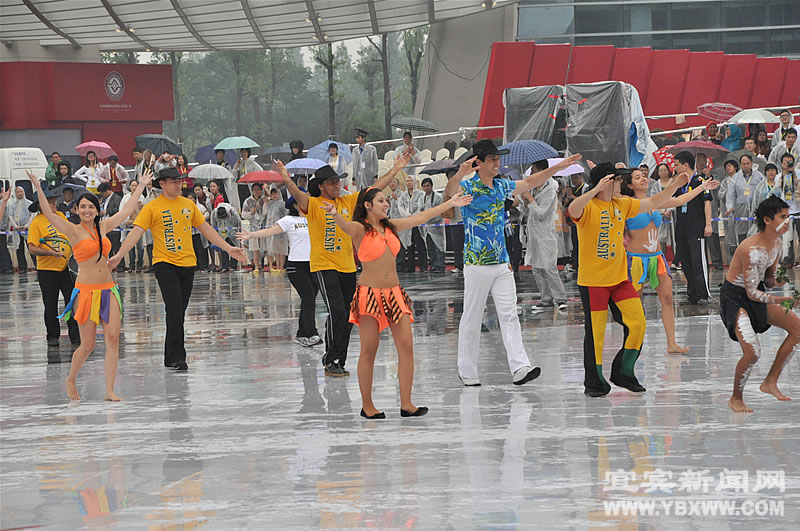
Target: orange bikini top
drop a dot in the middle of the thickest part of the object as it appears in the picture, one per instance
(374, 244)
(86, 249)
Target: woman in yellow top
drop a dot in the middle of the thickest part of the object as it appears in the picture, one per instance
(95, 299)
(379, 295)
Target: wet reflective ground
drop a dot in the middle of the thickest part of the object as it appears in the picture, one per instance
(254, 435)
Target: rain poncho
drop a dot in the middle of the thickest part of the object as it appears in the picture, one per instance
(275, 210)
(245, 166)
(339, 165)
(435, 226)
(761, 192)
(226, 226)
(397, 210)
(541, 249)
(409, 202)
(256, 219)
(18, 216)
(734, 141)
(666, 232)
(730, 234)
(739, 195)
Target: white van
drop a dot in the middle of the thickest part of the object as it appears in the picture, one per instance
(15, 161)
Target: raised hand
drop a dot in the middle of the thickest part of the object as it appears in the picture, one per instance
(604, 183)
(280, 167)
(329, 208)
(682, 179)
(400, 162)
(243, 236)
(4, 196)
(146, 177)
(572, 159)
(466, 167)
(460, 200)
(238, 254)
(711, 184)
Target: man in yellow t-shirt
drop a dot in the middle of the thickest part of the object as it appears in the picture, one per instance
(332, 262)
(171, 218)
(51, 271)
(600, 215)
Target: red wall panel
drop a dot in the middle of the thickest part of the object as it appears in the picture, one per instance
(508, 67)
(769, 75)
(737, 79)
(667, 78)
(549, 66)
(27, 94)
(590, 63)
(791, 85)
(701, 86)
(632, 65)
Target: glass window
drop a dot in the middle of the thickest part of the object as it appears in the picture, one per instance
(535, 21)
(745, 42)
(784, 42)
(695, 15)
(783, 12)
(743, 14)
(697, 42)
(599, 19)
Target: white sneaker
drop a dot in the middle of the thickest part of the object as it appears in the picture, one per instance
(470, 382)
(562, 305)
(456, 270)
(526, 374)
(314, 340)
(542, 306)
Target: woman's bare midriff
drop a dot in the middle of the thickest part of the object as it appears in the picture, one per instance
(644, 240)
(94, 271)
(380, 273)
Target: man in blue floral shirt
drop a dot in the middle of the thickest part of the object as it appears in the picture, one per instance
(486, 263)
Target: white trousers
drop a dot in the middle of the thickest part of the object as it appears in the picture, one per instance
(479, 281)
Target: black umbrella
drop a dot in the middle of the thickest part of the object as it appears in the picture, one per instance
(439, 166)
(415, 124)
(158, 144)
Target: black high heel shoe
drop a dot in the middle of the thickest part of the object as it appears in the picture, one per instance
(380, 415)
(422, 410)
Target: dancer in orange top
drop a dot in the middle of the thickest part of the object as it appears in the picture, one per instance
(95, 299)
(379, 299)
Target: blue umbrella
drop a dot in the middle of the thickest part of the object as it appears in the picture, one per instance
(305, 165)
(206, 155)
(320, 151)
(527, 152)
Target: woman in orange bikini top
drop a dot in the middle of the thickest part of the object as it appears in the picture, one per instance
(379, 300)
(95, 299)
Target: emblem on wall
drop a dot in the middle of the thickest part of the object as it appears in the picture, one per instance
(115, 86)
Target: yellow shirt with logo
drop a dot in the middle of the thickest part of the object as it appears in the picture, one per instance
(171, 222)
(601, 252)
(331, 247)
(41, 228)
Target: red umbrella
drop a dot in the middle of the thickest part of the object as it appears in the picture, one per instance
(719, 112)
(664, 156)
(265, 176)
(101, 149)
(698, 146)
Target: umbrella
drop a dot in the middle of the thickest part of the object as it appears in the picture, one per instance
(663, 155)
(236, 142)
(697, 146)
(415, 124)
(305, 165)
(569, 170)
(78, 189)
(527, 152)
(264, 176)
(101, 149)
(210, 171)
(755, 116)
(320, 151)
(277, 149)
(439, 166)
(719, 112)
(206, 155)
(158, 144)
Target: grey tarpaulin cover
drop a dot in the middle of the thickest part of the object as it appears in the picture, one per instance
(604, 120)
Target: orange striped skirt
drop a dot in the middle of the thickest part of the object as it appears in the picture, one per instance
(384, 304)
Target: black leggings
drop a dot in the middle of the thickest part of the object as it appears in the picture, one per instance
(305, 285)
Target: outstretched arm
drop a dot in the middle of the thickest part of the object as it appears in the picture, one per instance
(454, 183)
(125, 212)
(688, 196)
(458, 200)
(263, 233)
(127, 244)
(579, 203)
(536, 179)
(61, 224)
(351, 228)
(399, 164)
(237, 253)
(300, 196)
(4, 197)
(656, 201)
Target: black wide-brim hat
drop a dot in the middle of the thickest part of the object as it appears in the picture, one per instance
(605, 168)
(166, 173)
(322, 174)
(486, 147)
(34, 207)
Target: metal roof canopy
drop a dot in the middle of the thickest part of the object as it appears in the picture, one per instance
(200, 25)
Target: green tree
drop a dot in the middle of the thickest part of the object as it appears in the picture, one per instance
(414, 47)
(124, 57)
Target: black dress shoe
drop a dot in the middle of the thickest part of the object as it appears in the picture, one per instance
(422, 410)
(335, 370)
(380, 415)
(628, 382)
(688, 302)
(596, 393)
(181, 366)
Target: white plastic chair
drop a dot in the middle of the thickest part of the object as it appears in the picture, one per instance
(458, 152)
(442, 154)
(425, 155)
(389, 156)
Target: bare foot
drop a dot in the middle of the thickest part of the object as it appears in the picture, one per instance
(772, 389)
(675, 348)
(111, 397)
(738, 405)
(72, 389)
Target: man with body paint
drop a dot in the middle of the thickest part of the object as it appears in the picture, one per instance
(748, 310)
